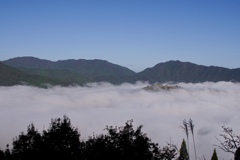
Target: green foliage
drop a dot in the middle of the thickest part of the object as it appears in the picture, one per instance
(189, 126)
(67, 76)
(72, 71)
(214, 156)
(10, 76)
(177, 71)
(185, 128)
(183, 151)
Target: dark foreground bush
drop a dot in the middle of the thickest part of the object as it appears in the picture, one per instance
(61, 141)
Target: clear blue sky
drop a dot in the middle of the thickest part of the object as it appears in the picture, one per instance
(132, 33)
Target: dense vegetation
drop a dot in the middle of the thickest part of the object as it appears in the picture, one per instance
(10, 76)
(73, 71)
(177, 71)
(68, 72)
(63, 141)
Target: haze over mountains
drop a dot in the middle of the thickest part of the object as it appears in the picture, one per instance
(34, 71)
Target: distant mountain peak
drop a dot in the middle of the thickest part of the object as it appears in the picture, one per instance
(177, 71)
(78, 70)
(82, 71)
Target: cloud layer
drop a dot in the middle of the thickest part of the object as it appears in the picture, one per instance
(91, 108)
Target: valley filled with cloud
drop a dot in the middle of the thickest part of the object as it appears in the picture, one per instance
(92, 107)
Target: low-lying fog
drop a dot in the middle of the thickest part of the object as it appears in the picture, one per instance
(209, 105)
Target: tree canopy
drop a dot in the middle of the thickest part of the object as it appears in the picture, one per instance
(62, 141)
(183, 151)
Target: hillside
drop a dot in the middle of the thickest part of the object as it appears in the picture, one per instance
(177, 71)
(90, 67)
(84, 71)
(10, 76)
(74, 71)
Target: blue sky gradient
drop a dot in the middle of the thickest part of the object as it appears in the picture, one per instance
(132, 33)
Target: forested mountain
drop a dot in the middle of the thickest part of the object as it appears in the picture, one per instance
(177, 71)
(73, 71)
(90, 67)
(84, 71)
(11, 76)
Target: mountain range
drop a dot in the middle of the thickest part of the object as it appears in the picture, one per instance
(40, 72)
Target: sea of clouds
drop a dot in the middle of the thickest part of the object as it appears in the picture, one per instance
(91, 108)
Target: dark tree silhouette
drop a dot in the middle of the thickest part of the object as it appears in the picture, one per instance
(183, 151)
(214, 155)
(7, 154)
(168, 152)
(27, 146)
(98, 147)
(230, 142)
(2, 156)
(62, 140)
(186, 130)
(122, 143)
(237, 154)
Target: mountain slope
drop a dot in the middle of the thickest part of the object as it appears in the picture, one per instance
(73, 71)
(90, 67)
(84, 71)
(177, 71)
(10, 76)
